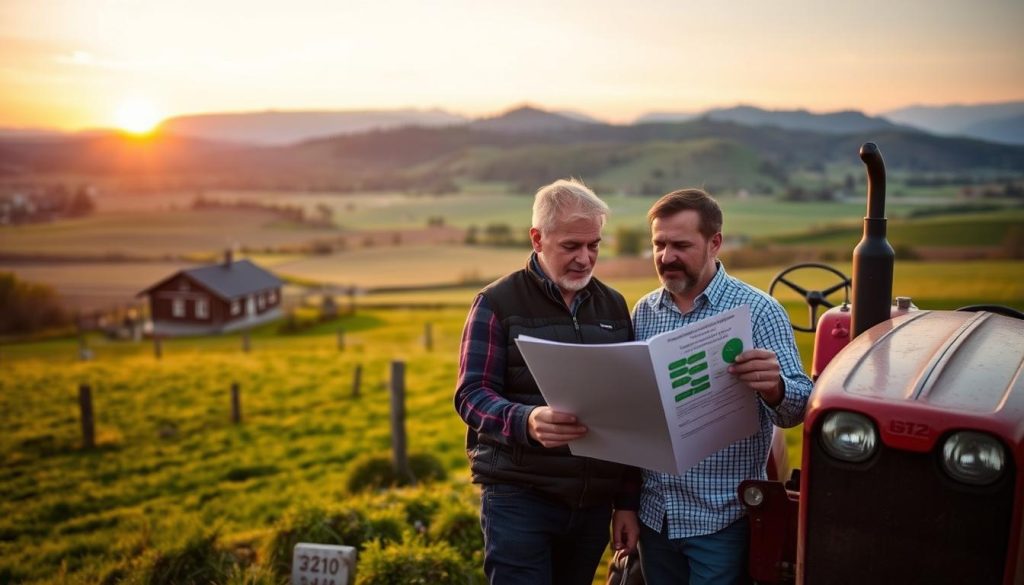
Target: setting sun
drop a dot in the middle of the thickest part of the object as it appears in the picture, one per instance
(137, 116)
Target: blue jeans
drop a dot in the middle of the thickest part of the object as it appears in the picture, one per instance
(719, 558)
(531, 539)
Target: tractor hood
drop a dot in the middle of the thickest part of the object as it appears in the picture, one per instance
(955, 369)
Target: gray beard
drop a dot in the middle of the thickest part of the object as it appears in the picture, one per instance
(576, 284)
(678, 286)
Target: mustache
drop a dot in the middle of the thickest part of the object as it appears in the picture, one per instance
(677, 266)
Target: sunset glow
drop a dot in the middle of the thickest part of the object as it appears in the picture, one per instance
(136, 116)
(65, 63)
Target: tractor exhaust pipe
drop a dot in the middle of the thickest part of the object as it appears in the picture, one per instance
(873, 257)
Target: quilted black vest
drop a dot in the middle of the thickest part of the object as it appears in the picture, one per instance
(526, 306)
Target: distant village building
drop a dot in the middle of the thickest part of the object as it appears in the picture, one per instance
(214, 299)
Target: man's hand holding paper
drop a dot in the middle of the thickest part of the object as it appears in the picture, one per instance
(759, 370)
(552, 428)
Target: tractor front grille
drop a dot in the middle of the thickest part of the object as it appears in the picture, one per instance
(897, 518)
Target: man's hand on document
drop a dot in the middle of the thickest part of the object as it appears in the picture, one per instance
(759, 370)
(553, 429)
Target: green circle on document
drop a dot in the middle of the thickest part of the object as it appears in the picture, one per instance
(733, 348)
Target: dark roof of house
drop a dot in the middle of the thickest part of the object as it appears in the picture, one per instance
(229, 280)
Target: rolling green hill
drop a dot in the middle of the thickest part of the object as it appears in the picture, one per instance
(990, 229)
(634, 157)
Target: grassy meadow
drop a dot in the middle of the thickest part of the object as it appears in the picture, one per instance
(149, 234)
(176, 493)
(170, 469)
(753, 216)
(169, 464)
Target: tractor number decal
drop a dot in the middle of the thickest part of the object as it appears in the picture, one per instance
(909, 428)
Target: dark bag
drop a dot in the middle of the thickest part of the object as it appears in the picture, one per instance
(625, 569)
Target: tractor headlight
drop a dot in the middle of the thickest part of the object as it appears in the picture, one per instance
(974, 458)
(849, 436)
(753, 496)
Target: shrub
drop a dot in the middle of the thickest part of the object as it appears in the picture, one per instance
(459, 526)
(413, 562)
(254, 575)
(197, 561)
(385, 526)
(906, 252)
(375, 471)
(27, 307)
(630, 241)
(323, 525)
(420, 508)
(1013, 243)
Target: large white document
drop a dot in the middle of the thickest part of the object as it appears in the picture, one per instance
(663, 404)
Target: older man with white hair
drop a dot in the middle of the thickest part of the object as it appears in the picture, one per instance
(544, 512)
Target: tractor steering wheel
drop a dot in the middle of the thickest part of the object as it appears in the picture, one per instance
(813, 298)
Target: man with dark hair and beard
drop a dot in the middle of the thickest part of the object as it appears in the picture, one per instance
(693, 528)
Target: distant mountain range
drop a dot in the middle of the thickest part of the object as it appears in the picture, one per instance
(732, 149)
(845, 122)
(279, 128)
(531, 120)
(1002, 122)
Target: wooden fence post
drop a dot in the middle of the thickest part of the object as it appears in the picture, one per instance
(88, 424)
(357, 379)
(245, 341)
(341, 339)
(398, 446)
(428, 336)
(83, 348)
(157, 346)
(236, 404)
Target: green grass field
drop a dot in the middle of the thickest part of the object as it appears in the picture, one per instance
(986, 229)
(753, 217)
(153, 234)
(408, 265)
(169, 460)
(170, 466)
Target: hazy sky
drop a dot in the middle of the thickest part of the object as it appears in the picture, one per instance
(82, 63)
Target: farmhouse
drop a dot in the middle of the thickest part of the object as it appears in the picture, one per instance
(222, 297)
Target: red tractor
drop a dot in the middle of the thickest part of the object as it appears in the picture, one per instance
(913, 448)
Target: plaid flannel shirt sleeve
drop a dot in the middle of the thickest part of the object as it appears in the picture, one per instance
(478, 393)
(773, 331)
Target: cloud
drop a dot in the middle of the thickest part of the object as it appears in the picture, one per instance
(80, 58)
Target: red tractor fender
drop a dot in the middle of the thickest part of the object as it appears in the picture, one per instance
(833, 332)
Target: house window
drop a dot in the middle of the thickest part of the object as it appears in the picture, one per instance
(202, 308)
(272, 297)
(261, 301)
(178, 307)
(236, 307)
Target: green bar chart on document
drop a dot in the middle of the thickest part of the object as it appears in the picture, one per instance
(690, 374)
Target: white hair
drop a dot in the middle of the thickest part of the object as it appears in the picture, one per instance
(566, 196)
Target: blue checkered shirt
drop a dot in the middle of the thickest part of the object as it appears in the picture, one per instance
(704, 500)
